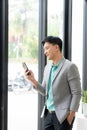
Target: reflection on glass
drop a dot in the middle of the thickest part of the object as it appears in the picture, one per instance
(55, 17)
(23, 47)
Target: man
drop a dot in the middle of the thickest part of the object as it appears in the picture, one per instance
(61, 86)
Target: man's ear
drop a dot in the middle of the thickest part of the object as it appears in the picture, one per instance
(57, 47)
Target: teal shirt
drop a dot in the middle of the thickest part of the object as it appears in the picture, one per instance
(49, 99)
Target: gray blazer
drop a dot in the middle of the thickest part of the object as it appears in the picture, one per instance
(66, 88)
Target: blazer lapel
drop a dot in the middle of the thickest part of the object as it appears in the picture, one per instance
(49, 70)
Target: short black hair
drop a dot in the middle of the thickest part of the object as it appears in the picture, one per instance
(53, 40)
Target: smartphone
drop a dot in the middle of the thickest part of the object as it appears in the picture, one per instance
(25, 67)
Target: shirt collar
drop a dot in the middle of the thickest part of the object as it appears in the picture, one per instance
(57, 63)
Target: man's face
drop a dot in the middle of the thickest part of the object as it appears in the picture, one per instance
(50, 50)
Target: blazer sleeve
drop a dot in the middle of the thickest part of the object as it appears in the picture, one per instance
(75, 86)
(42, 86)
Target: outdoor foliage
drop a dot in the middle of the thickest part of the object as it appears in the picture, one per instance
(23, 29)
(84, 96)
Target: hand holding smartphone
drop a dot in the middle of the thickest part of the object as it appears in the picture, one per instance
(30, 75)
(25, 67)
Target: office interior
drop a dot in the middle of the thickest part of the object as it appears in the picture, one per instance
(74, 34)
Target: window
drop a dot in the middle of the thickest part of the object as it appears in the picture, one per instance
(77, 33)
(77, 36)
(23, 47)
(55, 18)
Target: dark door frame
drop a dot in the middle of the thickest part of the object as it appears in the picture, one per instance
(41, 56)
(67, 29)
(3, 63)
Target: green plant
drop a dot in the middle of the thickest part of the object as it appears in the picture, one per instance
(84, 96)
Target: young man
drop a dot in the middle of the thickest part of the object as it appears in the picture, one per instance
(61, 86)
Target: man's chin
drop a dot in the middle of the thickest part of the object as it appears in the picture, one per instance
(48, 58)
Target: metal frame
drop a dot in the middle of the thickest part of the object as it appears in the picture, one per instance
(67, 28)
(3, 63)
(84, 75)
(41, 57)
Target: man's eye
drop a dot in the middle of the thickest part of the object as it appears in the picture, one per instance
(47, 48)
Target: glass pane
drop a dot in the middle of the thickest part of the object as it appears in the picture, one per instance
(55, 17)
(77, 45)
(77, 33)
(23, 47)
